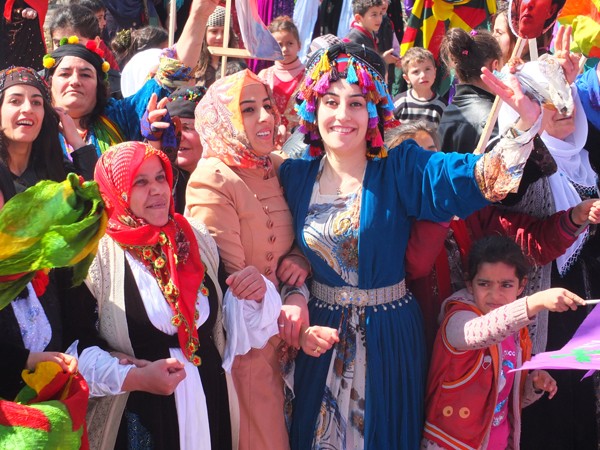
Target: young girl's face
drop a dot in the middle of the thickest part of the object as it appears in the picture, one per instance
(289, 45)
(495, 285)
(214, 36)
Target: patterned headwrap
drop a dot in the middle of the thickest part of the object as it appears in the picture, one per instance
(217, 18)
(169, 252)
(70, 46)
(221, 127)
(358, 65)
(23, 75)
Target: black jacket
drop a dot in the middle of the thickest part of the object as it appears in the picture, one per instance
(464, 119)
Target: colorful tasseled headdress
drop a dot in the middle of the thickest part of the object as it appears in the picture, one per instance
(358, 65)
(23, 75)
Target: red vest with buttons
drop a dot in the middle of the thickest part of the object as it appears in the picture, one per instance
(462, 388)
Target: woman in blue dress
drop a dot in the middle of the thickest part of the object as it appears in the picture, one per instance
(352, 205)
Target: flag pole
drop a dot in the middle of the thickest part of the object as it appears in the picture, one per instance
(172, 21)
(493, 117)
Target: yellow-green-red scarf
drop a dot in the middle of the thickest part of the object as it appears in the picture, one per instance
(49, 412)
(49, 225)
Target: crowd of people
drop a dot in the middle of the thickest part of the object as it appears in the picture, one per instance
(293, 258)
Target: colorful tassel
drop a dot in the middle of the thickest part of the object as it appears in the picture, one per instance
(309, 116)
(365, 79)
(377, 141)
(314, 151)
(322, 85)
(372, 109)
(351, 73)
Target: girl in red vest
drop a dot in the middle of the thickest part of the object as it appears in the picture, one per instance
(473, 399)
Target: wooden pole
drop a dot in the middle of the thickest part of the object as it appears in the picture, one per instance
(533, 50)
(493, 117)
(172, 21)
(226, 36)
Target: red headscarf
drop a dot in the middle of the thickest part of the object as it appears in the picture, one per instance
(169, 252)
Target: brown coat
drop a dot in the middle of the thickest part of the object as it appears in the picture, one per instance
(246, 214)
(249, 218)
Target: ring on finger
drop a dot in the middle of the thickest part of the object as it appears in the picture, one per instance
(317, 349)
(281, 325)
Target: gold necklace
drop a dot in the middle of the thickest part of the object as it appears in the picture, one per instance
(338, 189)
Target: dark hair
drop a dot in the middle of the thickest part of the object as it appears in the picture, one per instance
(127, 43)
(82, 20)
(466, 52)
(361, 7)
(494, 249)
(205, 55)
(94, 5)
(284, 23)
(46, 153)
(408, 131)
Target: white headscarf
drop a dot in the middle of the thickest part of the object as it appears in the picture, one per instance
(572, 160)
(136, 71)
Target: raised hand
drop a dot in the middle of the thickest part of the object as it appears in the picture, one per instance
(529, 110)
(562, 51)
(156, 112)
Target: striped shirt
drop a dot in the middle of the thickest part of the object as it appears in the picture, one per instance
(409, 109)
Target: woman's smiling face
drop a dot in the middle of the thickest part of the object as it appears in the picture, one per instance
(150, 196)
(258, 118)
(22, 113)
(342, 117)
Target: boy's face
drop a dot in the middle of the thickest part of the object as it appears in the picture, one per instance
(372, 19)
(421, 74)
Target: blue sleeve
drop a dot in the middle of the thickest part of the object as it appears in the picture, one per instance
(434, 185)
(127, 112)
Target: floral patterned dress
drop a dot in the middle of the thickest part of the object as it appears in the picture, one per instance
(331, 231)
